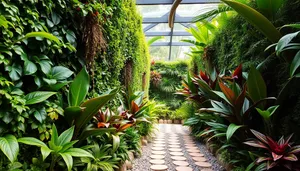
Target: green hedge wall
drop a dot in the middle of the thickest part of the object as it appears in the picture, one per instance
(172, 74)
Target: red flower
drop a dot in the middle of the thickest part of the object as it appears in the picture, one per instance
(78, 9)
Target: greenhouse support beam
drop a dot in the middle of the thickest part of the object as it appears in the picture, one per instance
(170, 2)
(173, 44)
(164, 19)
(163, 33)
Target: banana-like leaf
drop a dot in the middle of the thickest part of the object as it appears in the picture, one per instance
(92, 106)
(269, 7)
(196, 43)
(256, 19)
(256, 85)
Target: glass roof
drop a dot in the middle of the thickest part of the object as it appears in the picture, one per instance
(155, 23)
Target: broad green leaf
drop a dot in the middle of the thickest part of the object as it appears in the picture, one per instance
(29, 67)
(15, 71)
(68, 145)
(10, 147)
(66, 136)
(72, 112)
(231, 130)
(266, 114)
(295, 64)
(55, 18)
(256, 85)
(284, 41)
(92, 106)
(38, 97)
(60, 73)
(58, 86)
(45, 66)
(50, 81)
(256, 19)
(77, 152)
(79, 88)
(45, 152)
(68, 160)
(71, 37)
(93, 132)
(116, 142)
(41, 34)
(32, 141)
(297, 25)
(40, 115)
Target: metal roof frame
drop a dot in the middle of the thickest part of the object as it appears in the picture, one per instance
(184, 21)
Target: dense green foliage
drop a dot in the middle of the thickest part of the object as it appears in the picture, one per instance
(242, 41)
(163, 89)
(43, 45)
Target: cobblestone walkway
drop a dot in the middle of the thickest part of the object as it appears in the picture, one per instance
(173, 149)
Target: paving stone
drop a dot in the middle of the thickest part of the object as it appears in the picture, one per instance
(159, 142)
(176, 153)
(181, 158)
(196, 154)
(158, 145)
(156, 156)
(206, 169)
(175, 149)
(174, 143)
(174, 146)
(199, 159)
(159, 167)
(203, 164)
(158, 152)
(181, 163)
(191, 147)
(184, 169)
(157, 162)
(193, 150)
(157, 148)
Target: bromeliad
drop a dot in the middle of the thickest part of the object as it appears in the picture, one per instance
(280, 153)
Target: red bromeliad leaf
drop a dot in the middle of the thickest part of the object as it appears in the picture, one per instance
(257, 144)
(290, 157)
(204, 77)
(238, 73)
(228, 92)
(103, 125)
(123, 127)
(134, 107)
(260, 136)
(276, 156)
(278, 149)
(262, 159)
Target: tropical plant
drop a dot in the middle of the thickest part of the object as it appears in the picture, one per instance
(60, 146)
(280, 153)
(102, 159)
(133, 140)
(80, 113)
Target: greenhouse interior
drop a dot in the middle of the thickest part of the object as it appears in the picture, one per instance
(149, 85)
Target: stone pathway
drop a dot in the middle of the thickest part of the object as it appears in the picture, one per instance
(173, 149)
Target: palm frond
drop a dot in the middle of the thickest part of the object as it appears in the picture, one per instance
(213, 13)
(154, 39)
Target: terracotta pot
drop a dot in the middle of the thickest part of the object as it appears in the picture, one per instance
(161, 121)
(165, 121)
(169, 121)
